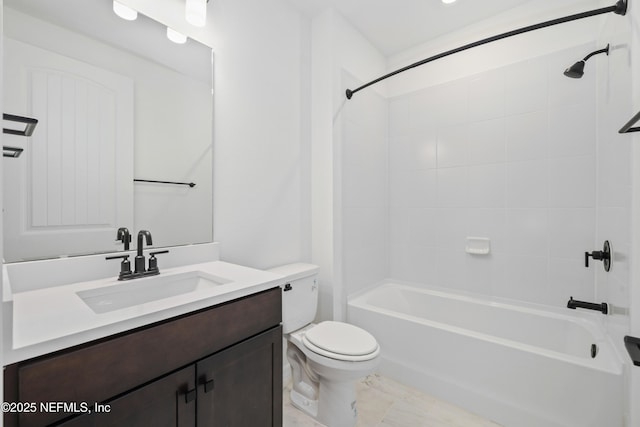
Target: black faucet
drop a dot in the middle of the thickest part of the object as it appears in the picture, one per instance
(573, 304)
(140, 270)
(139, 260)
(124, 237)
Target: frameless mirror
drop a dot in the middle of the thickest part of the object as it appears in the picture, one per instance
(118, 105)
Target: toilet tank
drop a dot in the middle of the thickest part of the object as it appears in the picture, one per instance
(299, 295)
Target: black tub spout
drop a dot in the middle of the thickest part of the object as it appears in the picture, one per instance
(602, 307)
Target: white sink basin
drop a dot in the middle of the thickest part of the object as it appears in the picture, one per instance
(148, 289)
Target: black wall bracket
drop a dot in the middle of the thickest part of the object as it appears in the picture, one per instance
(633, 347)
(30, 125)
(190, 184)
(13, 152)
(628, 127)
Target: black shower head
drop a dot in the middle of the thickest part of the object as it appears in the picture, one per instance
(576, 71)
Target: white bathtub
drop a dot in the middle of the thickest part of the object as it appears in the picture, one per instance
(518, 365)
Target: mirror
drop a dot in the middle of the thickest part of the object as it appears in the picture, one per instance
(116, 102)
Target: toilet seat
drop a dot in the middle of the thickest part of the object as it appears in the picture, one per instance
(341, 341)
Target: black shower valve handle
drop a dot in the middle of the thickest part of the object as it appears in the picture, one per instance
(604, 255)
(596, 255)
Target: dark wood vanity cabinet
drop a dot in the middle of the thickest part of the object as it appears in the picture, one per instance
(160, 403)
(221, 366)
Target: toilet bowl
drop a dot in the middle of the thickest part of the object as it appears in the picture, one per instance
(326, 358)
(326, 391)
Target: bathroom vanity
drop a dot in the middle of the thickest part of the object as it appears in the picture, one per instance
(209, 355)
(217, 366)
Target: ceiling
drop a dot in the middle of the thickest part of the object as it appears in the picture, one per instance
(147, 38)
(393, 26)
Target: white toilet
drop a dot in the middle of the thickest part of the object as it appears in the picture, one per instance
(326, 358)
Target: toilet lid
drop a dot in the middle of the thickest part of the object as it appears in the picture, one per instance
(341, 338)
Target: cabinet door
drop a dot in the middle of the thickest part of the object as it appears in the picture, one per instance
(242, 385)
(169, 401)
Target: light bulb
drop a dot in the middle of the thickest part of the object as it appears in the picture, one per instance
(175, 36)
(196, 12)
(124, 12)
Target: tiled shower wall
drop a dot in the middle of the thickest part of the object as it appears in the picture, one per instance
(507, 155)
(363, 151)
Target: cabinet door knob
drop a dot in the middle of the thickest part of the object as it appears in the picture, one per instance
(208, 385)
(190, 395)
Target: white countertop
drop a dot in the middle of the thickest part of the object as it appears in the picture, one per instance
(54, 318)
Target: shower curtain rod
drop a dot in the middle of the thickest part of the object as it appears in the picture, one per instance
(620, 8)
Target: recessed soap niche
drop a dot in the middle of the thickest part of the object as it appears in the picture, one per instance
(478, 246)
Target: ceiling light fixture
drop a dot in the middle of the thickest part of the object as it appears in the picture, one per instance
(175, 36)
(448, 1)
(196, 12)
(124, 12)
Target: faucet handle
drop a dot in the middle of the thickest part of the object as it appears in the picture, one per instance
(166, 251)
(125, 266)
(153, 261)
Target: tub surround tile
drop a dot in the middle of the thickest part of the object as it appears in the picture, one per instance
(488, 143)
(525, 87)
(453, 188)
(527, 184)
(424, 225)
(399, 116)
(451, 228)
(452, 146)
(568, 277)
(572, 130)
(572, 182)
(486, 95)
(513, 156)
(423, 110)
(571, 232)
(486, 186)
(451, 103)
(424, 188)
(527, 135)
(527, 232)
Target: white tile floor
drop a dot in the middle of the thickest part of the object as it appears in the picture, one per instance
(383, 402)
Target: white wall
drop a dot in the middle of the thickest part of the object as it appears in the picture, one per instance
(260, 160)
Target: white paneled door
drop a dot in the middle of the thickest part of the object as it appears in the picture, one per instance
(73, 185)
